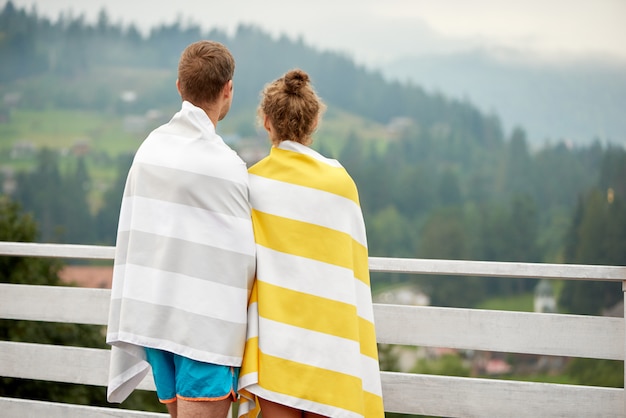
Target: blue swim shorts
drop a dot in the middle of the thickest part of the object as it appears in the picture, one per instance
(178, 377)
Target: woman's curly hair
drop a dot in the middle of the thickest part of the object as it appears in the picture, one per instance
(292, 107)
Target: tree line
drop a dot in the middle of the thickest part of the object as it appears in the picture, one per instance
(36, 48)
(419, 208)
(555, 205)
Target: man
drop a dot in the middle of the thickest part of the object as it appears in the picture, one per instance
(185, 254)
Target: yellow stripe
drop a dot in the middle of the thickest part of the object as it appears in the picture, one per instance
(367, 337)
(295, 168)
(251, 359)
(373, 405)
(360, 264)
(312, 383)
(311, 241)
(307, 311)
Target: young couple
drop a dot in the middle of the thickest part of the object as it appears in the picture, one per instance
(243, 284)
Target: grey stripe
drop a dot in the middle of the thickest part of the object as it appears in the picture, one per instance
(188, 258)
(190, 189)
(150, 320)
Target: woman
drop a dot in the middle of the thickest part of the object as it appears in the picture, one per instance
(311, 347)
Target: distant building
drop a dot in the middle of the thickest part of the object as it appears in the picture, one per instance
(23, 149)
(11, 99)
(81, 147)
(9, 184)
(144, 123)
(398, 125)
(497, 366)
(135, 124)
(403, 295)
(88, 276)
(545, 301)
(128, 96)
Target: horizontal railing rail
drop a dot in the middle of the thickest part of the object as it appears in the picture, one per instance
(376, 264)
(408, 393)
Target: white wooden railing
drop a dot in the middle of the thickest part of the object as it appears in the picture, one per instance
(431, 395)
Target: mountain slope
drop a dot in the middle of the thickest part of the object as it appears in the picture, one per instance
(576, 100)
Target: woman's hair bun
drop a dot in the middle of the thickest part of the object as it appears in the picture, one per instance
(295, 80)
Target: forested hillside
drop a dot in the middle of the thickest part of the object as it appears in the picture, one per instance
(437, 177)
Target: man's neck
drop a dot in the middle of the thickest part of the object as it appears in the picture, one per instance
(212, 112)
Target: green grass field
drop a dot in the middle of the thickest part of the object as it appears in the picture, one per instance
(62, 129)
(65, 130)
(521, 303)
(106, 136)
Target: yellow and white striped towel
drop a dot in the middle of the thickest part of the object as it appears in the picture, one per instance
(311, 340)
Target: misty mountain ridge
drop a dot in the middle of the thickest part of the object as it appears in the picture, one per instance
(574, 99)
(470, 92)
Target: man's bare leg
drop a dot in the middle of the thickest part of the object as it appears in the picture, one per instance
(202, 409)
(172, 409)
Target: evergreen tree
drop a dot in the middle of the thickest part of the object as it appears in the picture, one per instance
(58, 201)
(108, 216)
(390, 234)
(518, 165)
(19, 52)
(40, 193)
(443, 236)
(76, 213)
(597, 235)
(449, 189)
(16, 226)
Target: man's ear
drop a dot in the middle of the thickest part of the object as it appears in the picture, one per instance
(228, 89)
(178, 85)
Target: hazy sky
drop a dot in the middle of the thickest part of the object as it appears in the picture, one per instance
(372, 31)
